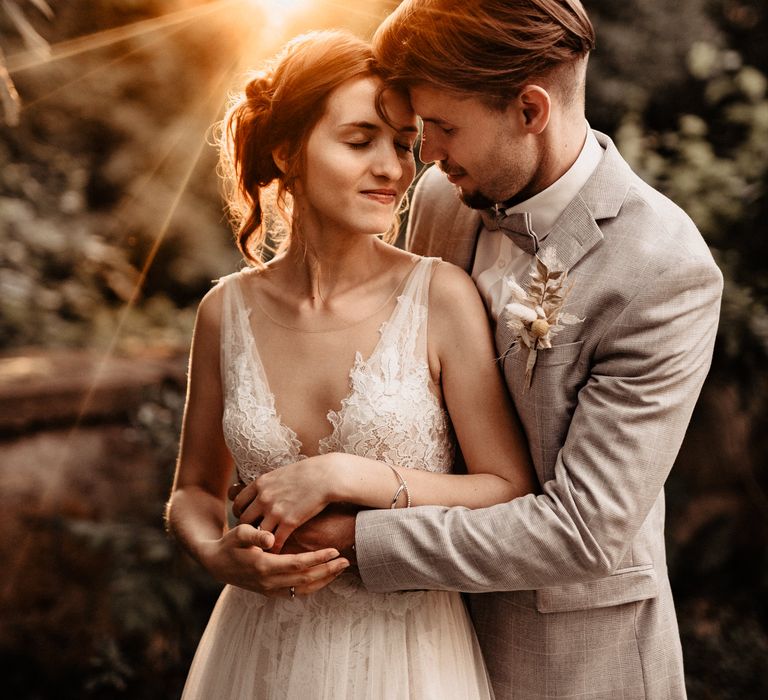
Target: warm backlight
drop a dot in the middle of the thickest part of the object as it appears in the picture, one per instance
(278, 11)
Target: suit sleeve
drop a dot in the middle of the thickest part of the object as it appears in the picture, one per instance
(624, 436)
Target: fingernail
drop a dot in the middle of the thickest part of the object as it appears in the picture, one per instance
(332, 555)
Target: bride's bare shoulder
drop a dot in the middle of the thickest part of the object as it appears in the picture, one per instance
(454, 302)
(450, 284)
(209, 309)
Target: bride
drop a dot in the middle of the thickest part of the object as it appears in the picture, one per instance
(338, 372)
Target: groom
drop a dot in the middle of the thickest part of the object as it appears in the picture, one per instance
(570, 594)
(572, 598)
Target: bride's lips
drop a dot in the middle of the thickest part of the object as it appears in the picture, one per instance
(384, 196)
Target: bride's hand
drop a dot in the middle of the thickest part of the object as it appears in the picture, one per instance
(287, 497)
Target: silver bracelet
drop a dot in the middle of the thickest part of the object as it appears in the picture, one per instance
(402, 487)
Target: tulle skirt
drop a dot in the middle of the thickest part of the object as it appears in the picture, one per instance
(341, 643)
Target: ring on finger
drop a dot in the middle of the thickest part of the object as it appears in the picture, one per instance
(292, 591)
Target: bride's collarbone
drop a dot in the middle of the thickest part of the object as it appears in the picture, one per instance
(282, 304)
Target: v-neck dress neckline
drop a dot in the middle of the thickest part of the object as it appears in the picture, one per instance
(375, 418)
(291, 434)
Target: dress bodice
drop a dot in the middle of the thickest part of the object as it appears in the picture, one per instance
(391, 413)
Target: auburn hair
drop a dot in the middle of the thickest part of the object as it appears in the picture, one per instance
(489, 48)
(276, 112)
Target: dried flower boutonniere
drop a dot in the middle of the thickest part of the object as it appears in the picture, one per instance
(535, 314)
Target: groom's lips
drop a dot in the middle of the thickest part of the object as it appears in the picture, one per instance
(454, 175)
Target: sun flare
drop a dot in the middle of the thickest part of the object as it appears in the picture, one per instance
(278, 12)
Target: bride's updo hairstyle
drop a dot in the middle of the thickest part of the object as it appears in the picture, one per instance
(277, 111)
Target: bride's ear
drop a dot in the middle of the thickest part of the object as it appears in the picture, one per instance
(279, 156)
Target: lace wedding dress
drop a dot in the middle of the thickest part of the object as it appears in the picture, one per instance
(341, 642)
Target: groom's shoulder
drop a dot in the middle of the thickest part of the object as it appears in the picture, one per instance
(434, 194)
(437, 217)
(647, 226)
(433, 183)
(637, 221)
(657, 227)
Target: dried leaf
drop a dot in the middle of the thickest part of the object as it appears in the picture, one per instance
(529, 365)
(543, 298)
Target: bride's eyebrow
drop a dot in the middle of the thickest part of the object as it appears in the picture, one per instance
(370, 126)
(366, 126)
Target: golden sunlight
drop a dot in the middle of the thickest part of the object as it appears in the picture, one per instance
(278, 12)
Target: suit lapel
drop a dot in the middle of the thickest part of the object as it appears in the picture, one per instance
(576, 231)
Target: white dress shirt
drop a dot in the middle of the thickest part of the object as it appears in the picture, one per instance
(498, 257)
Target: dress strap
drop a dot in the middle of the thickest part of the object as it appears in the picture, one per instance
(229, 340)
(407, 328)
(238, 349)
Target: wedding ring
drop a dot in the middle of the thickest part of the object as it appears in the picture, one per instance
(292, 591)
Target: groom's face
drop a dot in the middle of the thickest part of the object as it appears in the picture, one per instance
(486, 153)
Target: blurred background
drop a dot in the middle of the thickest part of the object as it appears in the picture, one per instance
(112, 228)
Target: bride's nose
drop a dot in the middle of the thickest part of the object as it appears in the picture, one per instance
(387, 163)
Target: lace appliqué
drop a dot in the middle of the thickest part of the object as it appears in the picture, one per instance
(257, 439)
(391, 413)
(253, 432)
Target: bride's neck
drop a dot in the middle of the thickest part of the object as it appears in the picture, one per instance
(325, 264)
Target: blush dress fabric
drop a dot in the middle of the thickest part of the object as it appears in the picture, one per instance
(341, 642)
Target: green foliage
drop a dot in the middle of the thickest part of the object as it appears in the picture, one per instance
(95, 188)
(716, 169)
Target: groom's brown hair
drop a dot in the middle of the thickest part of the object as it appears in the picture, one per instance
(489, 48)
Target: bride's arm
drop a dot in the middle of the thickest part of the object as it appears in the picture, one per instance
(196, 510)
(462, 359)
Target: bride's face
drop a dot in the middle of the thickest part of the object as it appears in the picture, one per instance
(357, 167)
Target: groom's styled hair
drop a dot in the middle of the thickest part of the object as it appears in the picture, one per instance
(488, 48)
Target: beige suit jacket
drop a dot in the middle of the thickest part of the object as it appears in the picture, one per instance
(570, 590)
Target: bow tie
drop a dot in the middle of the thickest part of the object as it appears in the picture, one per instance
(516, 227)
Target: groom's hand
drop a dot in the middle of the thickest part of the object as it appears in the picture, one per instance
(334, 527)
(241, 496)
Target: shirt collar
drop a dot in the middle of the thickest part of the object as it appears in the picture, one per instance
(546, 206)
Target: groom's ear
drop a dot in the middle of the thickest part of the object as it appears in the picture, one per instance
(535, 108)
